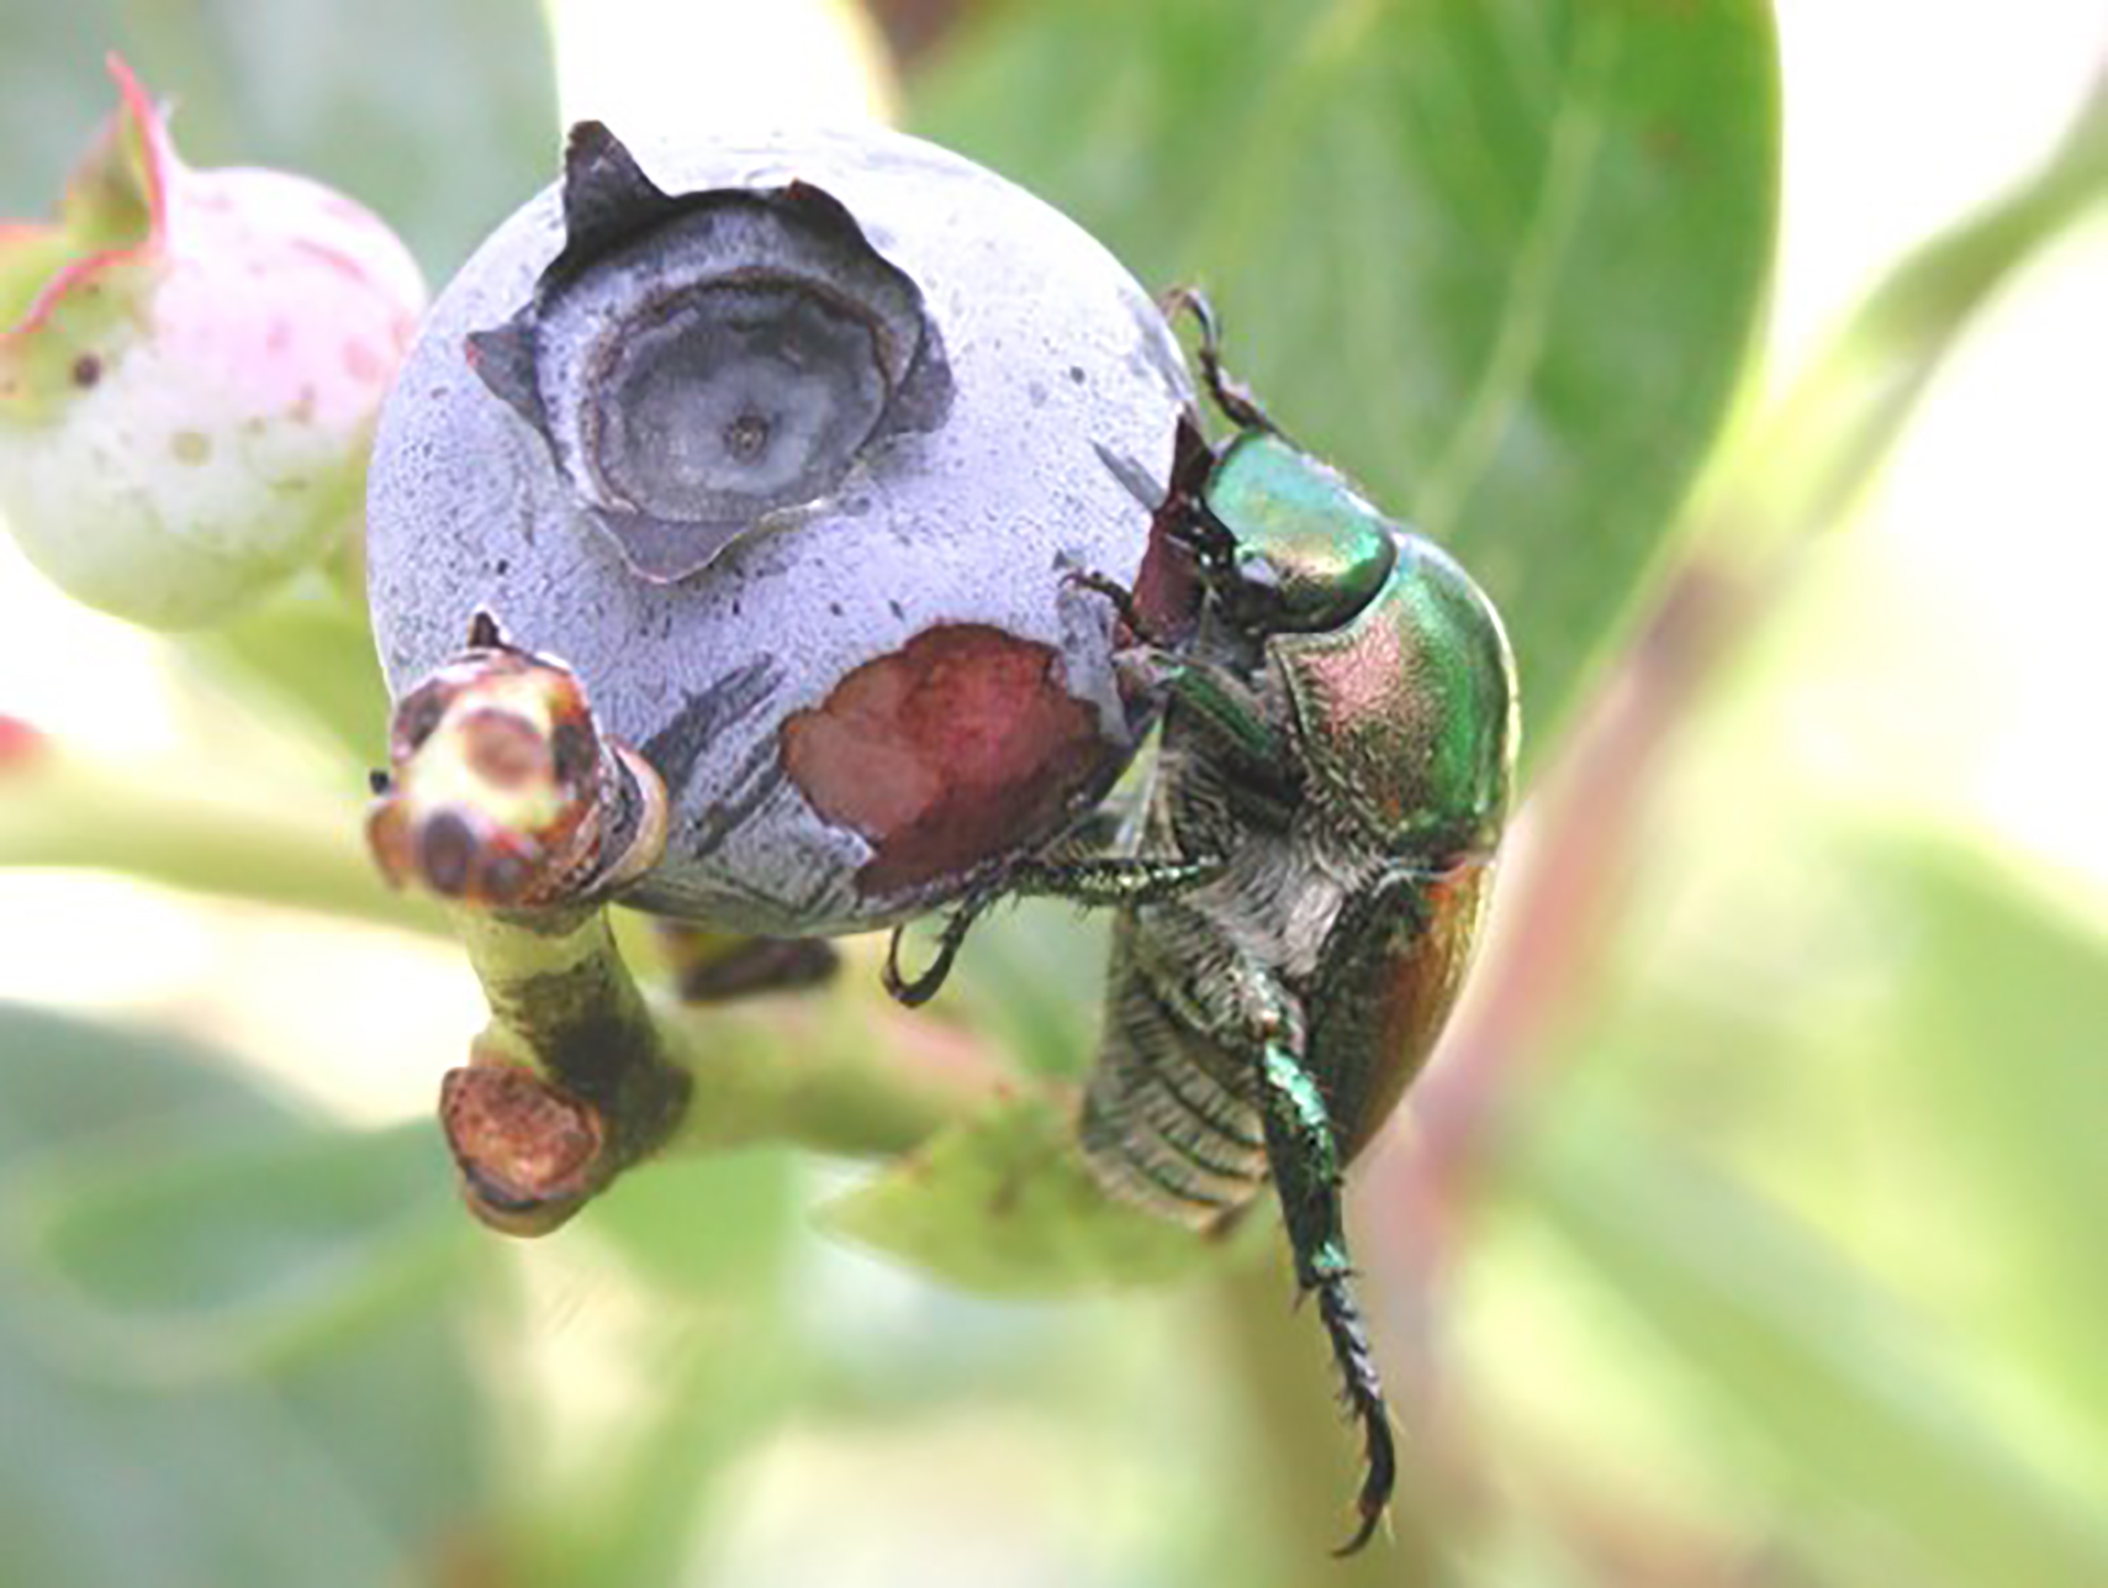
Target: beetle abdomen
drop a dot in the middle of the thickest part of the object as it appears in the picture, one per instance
(1386, 1006)
(1169, 1119)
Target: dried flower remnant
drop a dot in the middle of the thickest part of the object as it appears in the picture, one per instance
(502, 791)
(191, 366)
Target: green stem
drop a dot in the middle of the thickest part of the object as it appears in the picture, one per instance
(579, 1075)
(1808, 462)
(561, 997)
(840, 1070)
(307, 652)
(61, 809)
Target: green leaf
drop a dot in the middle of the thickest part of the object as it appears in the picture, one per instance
(1033, 978)
(307, 652)
(1815, 1361)
(184, 1255)
(438, 114)
(178, 1459)
(2006, 995)
(1904, 1000)
(1003, 1204)
(655, 1486)
(712, 1234)
(706, 1224)
(1500, 259)
(67, 1081)
(1993, 1033)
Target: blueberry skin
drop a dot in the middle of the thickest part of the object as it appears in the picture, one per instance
(1054, 448)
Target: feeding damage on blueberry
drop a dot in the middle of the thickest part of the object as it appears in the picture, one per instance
(790, 450)
(939, 751)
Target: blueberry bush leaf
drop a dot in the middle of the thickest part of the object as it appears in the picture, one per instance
(1501, 261)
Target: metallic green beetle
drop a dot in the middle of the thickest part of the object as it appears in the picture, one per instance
(1339, 735)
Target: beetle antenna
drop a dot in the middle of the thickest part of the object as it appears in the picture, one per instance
(1122, 601)
(1236, 401)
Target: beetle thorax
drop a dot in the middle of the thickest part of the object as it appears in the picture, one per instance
(1310, 552)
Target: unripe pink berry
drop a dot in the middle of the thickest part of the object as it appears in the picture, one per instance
(187, 396)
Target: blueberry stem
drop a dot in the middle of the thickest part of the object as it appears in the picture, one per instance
(582, 1074)
(570, 1083)
(228, 838)
(836, 1068)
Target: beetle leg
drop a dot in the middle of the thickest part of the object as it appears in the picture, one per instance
(1113, 881)
(1218, 697)
(1308, 1166)
(956, 925)
(1231, 713)
(1121, 600)
(1110, 882)
(1235, 400)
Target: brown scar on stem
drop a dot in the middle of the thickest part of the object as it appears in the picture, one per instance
(530, 1154)
(961, 747)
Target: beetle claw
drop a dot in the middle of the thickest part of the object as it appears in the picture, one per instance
(914, 994)
(1236, 401)
(926, 986)
(1362, 1391)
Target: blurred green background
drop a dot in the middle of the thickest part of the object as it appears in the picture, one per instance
(1752, 1228)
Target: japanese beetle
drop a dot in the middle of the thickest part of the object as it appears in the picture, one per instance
(1338, 743)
